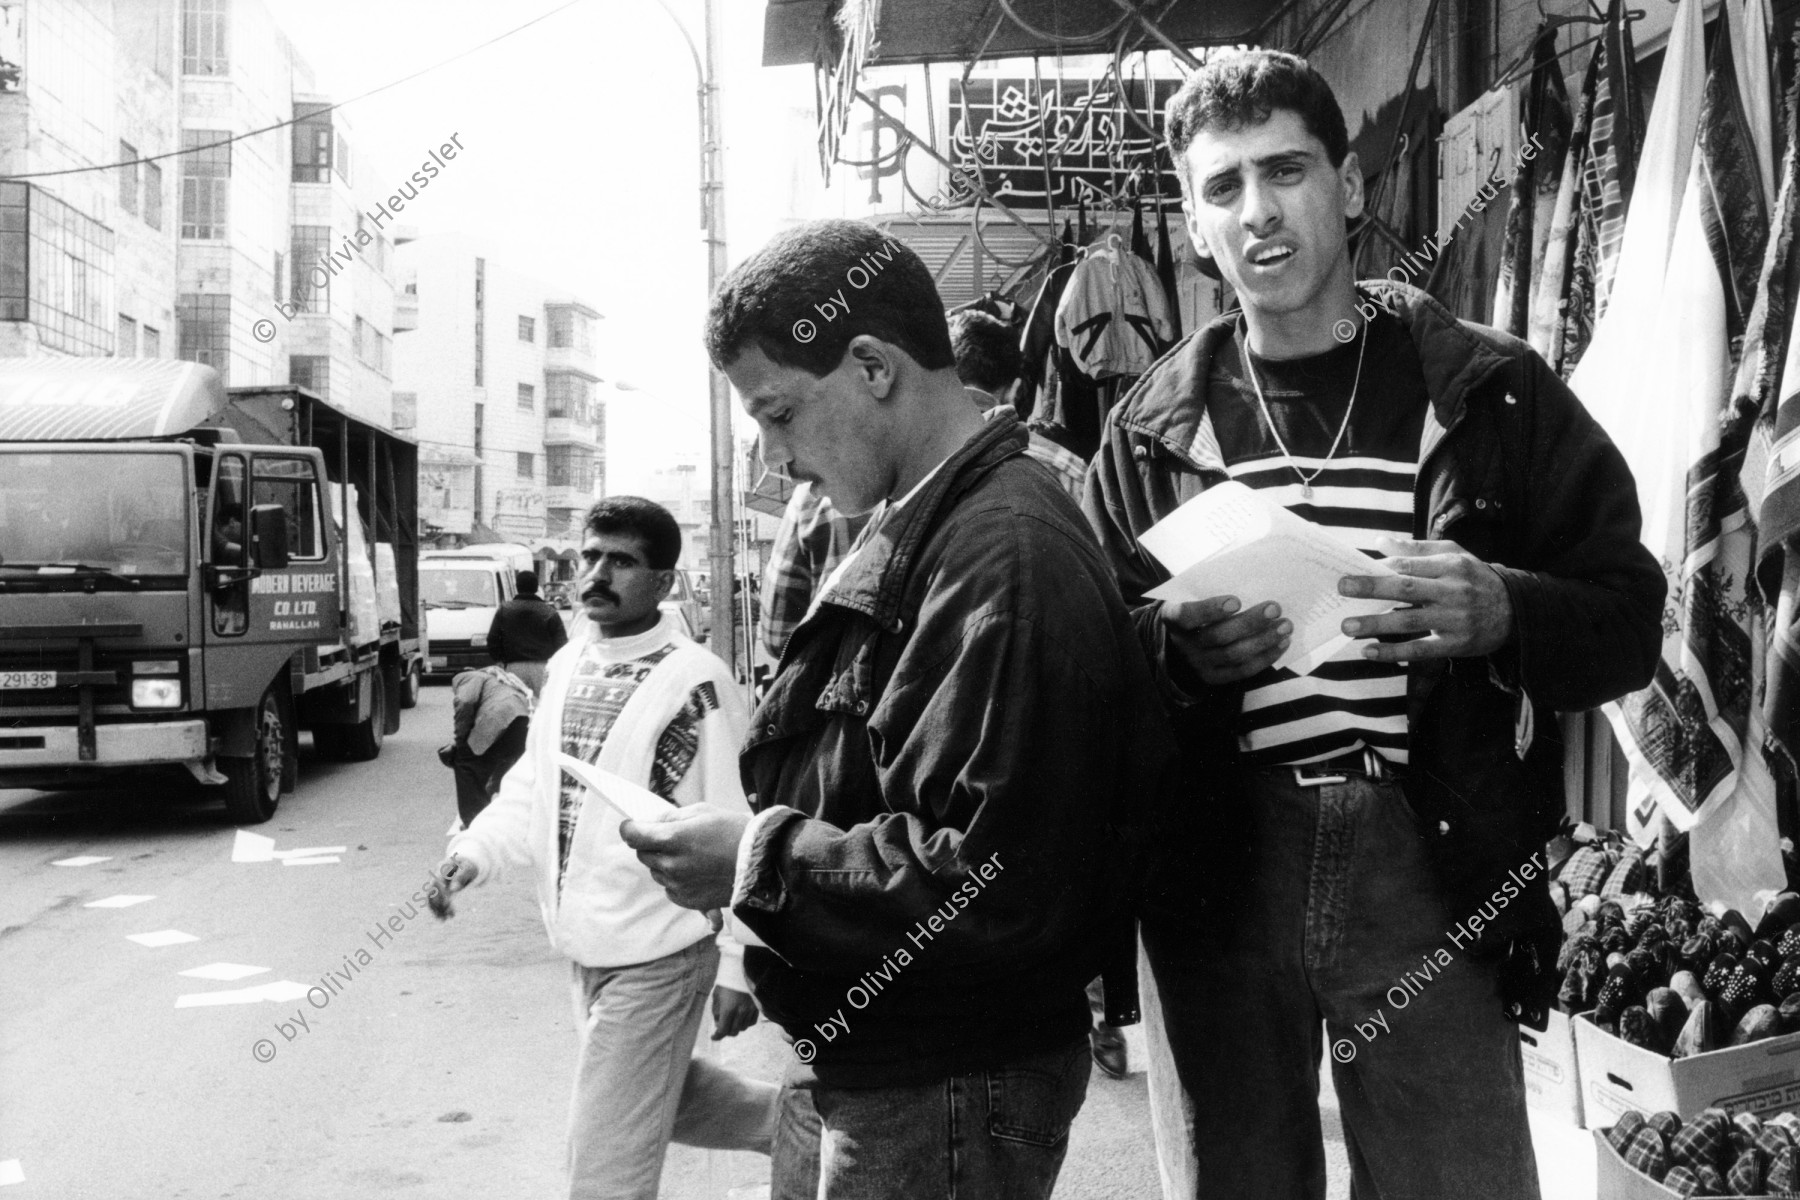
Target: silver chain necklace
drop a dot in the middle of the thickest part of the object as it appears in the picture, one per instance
(1306, 481)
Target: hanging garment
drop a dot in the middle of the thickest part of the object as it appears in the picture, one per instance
(1165, 274)
(1534, 187)
(1113, 318)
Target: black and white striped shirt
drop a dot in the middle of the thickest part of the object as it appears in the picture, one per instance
(1363, 492)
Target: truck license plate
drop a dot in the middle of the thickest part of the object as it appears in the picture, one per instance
(27, 679)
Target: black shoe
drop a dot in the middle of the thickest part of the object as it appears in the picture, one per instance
(1109, 1050)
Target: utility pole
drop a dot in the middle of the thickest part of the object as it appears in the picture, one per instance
(712, 220)
(712, 211)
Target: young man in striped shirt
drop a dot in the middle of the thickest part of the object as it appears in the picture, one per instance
(1351, 826)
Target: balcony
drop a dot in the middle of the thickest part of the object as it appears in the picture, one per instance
(557, 496)
(569, 431)
(406, 311)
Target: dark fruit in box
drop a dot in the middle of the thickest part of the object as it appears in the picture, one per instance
(1620, 989)
(1739, 994)
(1759, 1023)
(1789, 1009)
(1639, 1028)
(1718, 972)
(1638, 921)
(1779, 915)
(1762, 954)
(1786, 981)
(1789, 945)
(1669, 1011)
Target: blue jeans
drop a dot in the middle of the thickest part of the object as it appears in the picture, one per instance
(992, 1135)
(638, 1086)
(1338, 938)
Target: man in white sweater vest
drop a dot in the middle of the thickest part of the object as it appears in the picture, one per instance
(638, 699)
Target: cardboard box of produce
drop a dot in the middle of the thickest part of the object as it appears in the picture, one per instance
(1617, 1181)
(1552, 1077)
(1763, 1077)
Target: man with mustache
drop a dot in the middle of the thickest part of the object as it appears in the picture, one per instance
(949, 766)
(640, 700)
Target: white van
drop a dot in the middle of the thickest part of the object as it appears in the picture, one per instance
(461, 591)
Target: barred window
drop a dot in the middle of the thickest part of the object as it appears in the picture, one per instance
(205, 37)
(205, 325)
(569, 396)
(527, 329)
(527, 465)
(128, 178)
(205, 183)
(308, 249)
(527, 398)
(569, 466)
(153, 195)
(571, 330)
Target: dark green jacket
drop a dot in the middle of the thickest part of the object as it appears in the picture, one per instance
(961, 733)
(1515, 471)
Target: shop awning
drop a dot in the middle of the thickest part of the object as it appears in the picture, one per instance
(104, 399)
(915, 31)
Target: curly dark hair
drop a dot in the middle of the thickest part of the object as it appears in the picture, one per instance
(812, 288)
(987, 350)
(646, 520)
(1245, 87)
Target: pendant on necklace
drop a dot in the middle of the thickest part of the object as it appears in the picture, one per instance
(1306, 491)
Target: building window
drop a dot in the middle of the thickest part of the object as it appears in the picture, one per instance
(307, 249)
(569, 396)
(570, 329)
(275, 277)
(480, 320)
(570, 467)
(152, 342)
(205, 326)
(56, 271)
(527, 465)
(406, 410)
(205, 183)
(153, 195)
(527, 397)
(527, 329)
(312, 372)
(373, 348)
(341, 160)
(312, 142)
(127, 344)
(205, 37)
(128, 178)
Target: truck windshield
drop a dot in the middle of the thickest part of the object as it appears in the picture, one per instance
(441, 588)
(86, 513)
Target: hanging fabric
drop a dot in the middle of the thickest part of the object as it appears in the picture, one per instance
(1768, 384)
(1534, 186)
(1663, 390)
(1165, 272)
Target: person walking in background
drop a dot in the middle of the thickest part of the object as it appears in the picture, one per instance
(490, 711)
(640, 700)
(525, 632)
(988, 363)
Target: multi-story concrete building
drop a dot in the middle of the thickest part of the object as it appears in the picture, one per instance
(178, 233)
(496, 372)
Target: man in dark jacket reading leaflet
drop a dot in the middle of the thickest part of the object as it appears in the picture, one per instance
(949, 764)
(1365, 857)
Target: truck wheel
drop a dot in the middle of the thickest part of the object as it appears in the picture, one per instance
(409, 690)
(253, 784)
(362, 741)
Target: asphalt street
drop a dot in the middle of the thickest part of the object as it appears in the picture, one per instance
(440, 1066)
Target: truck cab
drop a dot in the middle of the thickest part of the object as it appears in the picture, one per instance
(173, 598)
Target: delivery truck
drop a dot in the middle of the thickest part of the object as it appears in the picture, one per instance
(190, 575)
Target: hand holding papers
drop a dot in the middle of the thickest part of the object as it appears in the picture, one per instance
(627, 799)
(1230, 541)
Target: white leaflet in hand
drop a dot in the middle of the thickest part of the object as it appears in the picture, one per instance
(1231, 541)
(628, 799)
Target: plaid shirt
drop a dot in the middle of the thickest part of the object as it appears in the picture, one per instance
(812, 540)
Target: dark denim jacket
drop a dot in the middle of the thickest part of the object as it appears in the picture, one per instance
(1515, 471)
(961, 732)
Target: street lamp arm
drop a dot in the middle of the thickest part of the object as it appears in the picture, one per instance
(699, 68)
